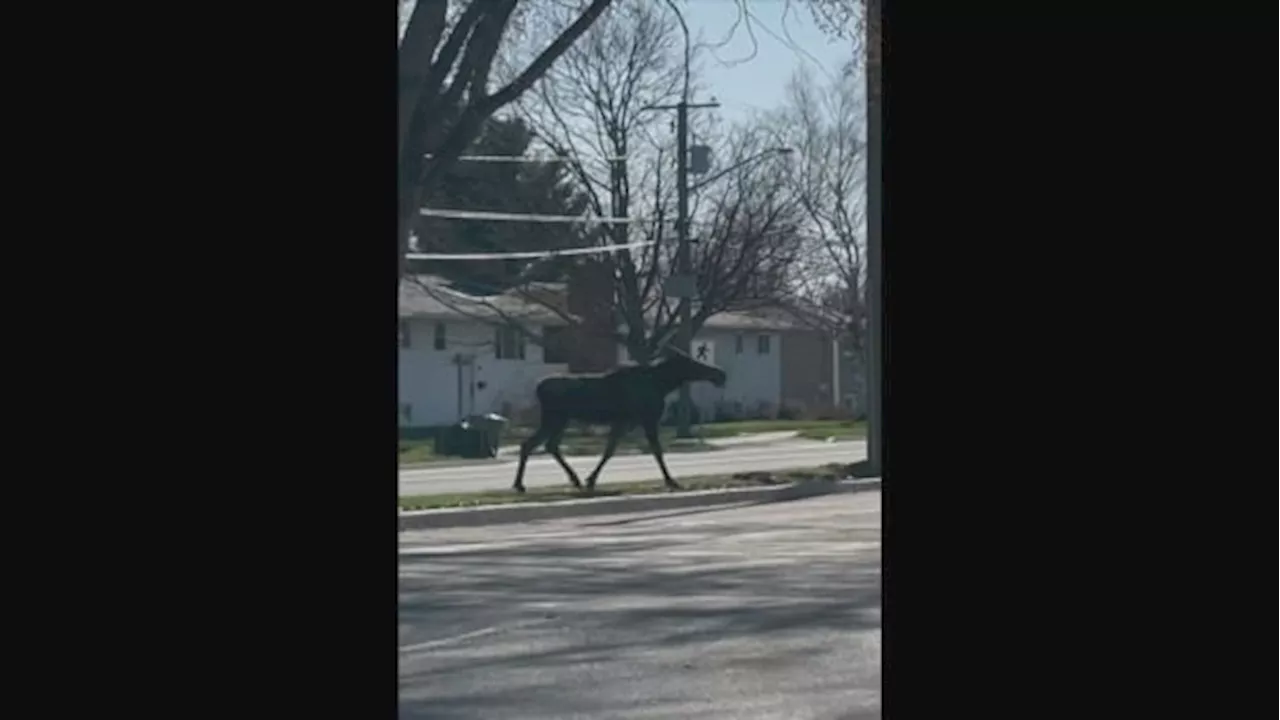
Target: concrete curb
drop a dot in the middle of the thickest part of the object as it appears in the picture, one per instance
(527, 512)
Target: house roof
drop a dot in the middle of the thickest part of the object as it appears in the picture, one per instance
(763, 319)
(430, 296)
(770, 319)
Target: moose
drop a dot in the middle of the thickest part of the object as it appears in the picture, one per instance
(621, 398)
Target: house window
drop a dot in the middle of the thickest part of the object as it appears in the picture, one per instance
(555, 344)
(762, 344)
(440, 337)
(404, 334)
(508, 344)
(737, 345)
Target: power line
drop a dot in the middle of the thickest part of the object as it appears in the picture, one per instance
(529, 217)
(518, 217)
(526, 158)
(533, 254)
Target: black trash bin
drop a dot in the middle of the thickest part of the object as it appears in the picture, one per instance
(446, 441)
(477, 436)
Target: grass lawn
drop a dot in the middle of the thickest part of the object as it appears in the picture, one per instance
(633, 443)
(841, 431)
(560, 493)
(710, 430)
(729, 429)
(580, 440)
(422, 452)
(418, 451)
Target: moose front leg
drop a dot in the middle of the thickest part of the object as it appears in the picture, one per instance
(655, 445)
(528, 446)
(553, 449)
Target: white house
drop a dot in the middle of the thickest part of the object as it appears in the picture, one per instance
(457, 358)
(452, 363)
(772, 361)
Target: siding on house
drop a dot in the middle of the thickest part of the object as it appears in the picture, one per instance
(434, 389)
(806, 377)
(753, 379)
(794, 372)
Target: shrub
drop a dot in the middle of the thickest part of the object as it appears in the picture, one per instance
(727, 411)
(789, 412)
(670, 417)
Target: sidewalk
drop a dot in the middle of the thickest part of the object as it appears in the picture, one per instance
(508, 453)
(763, 438)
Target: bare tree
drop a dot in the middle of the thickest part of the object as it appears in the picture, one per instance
(593, 107)
(847, 19)
(589, 106)
(447, 51)
(827, 129)
(748, 226)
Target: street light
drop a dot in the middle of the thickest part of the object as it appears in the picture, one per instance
(759, 156)
(684, 284)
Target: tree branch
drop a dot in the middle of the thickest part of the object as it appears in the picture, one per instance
(422, 35)
(539, 66)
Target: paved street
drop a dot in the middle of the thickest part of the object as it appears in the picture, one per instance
(542, 470)
(756, 611)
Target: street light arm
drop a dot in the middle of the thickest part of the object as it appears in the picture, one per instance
(759, 156)
(684, 27)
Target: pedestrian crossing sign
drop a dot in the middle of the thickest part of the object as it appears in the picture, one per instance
(704, 351)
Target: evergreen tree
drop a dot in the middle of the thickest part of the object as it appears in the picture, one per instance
(537, 188)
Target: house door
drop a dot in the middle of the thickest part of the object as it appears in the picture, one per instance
(482, 389)
(473, 388)
(466, 365)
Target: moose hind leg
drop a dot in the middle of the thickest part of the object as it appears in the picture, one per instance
(655, 445)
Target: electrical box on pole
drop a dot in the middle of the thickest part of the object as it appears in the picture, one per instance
(699, 159)
(680, 286)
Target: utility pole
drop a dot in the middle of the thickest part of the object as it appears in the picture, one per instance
(683, 285)
(875, 263)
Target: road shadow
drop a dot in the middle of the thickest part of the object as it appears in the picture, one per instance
(634, 595)
(681, 513)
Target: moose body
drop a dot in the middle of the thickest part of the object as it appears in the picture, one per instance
(621, 399)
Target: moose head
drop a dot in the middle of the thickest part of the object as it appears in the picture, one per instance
(691, 369)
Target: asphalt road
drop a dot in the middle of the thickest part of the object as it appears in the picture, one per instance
(763, 611)
(542, 470)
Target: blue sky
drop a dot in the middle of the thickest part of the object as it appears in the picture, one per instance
(760, 83)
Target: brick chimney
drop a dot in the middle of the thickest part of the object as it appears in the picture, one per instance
(591, 299)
